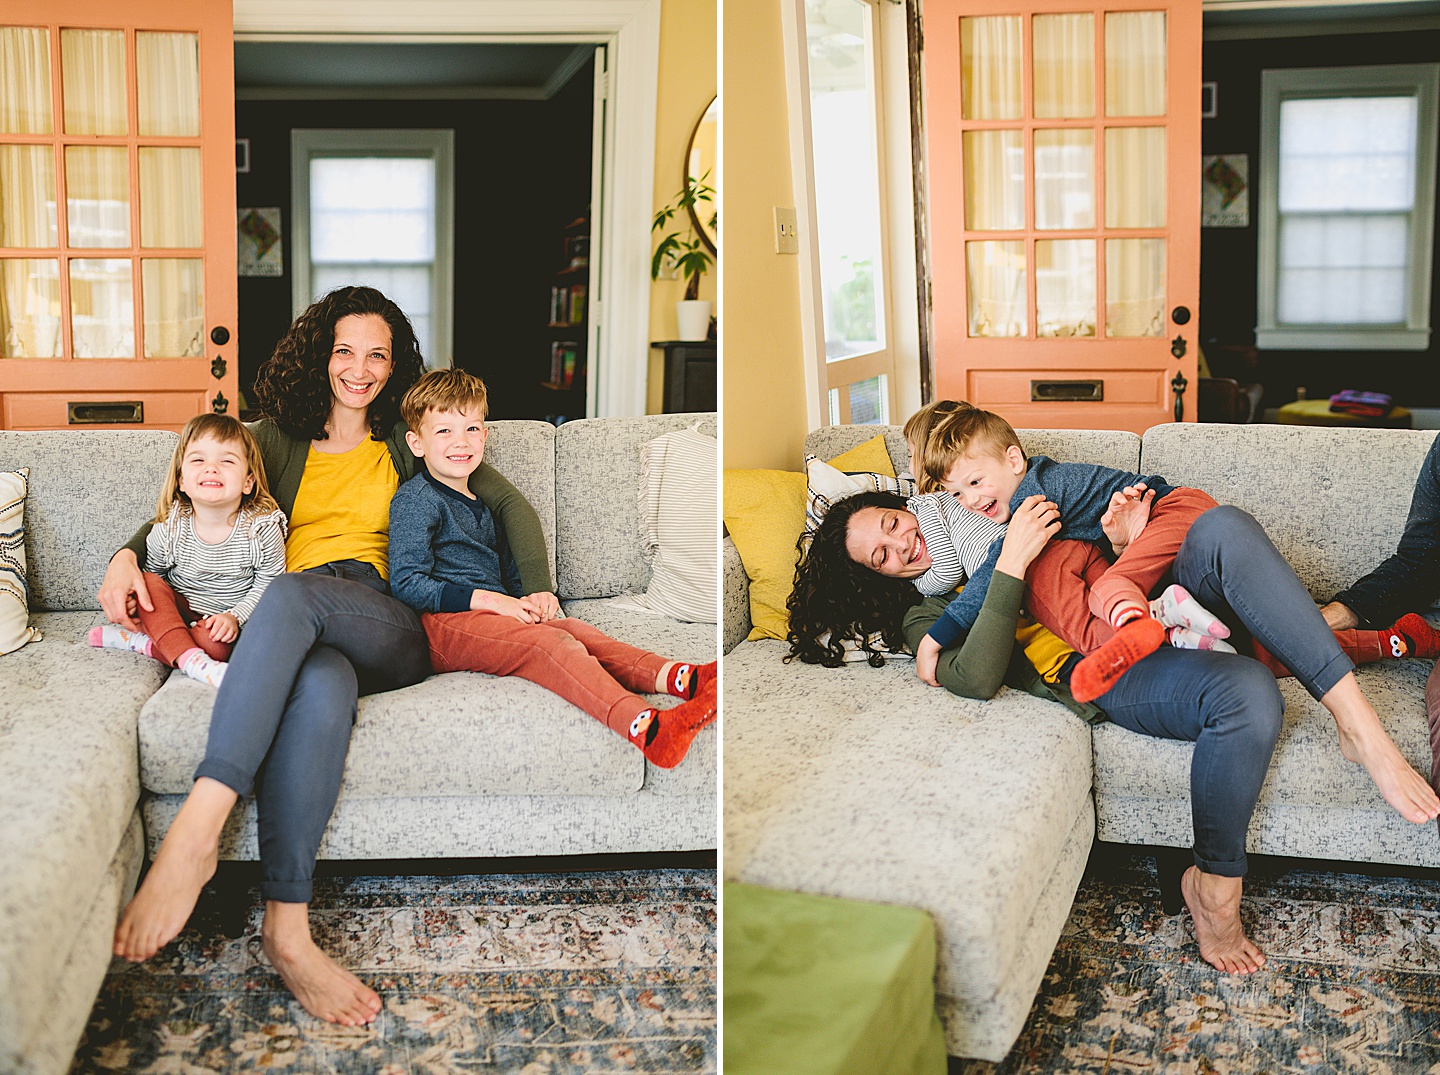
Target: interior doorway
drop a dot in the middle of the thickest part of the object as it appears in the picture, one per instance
(517, 256)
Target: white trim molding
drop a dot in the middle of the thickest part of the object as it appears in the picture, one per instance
(625, 194)
(1276, 86)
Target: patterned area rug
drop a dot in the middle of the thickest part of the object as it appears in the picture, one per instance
(1352, 983)
(543, 974)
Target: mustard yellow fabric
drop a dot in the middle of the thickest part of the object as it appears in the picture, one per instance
(1046, 651)
(872, 456)
(342, 509)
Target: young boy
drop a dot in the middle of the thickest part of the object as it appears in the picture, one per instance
(449, 561)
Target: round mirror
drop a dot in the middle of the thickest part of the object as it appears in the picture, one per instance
(700, 160)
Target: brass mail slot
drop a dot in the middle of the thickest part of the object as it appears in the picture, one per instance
(107, 412)
(1068, 391)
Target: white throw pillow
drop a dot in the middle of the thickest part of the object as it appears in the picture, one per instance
(681, 534)
(824, 485)
(14, 606)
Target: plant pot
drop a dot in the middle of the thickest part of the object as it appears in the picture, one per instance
(692, 319)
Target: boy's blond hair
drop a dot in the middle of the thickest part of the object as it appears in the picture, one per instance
(444, 390)
(226, 429)
(969, 431)
(917, 436)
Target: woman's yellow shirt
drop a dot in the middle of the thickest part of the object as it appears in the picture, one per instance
(342, 509)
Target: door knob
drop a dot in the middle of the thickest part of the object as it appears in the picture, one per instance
(219, 335)
(1180, 315)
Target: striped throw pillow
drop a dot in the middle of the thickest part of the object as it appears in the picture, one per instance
(14, 607)
(681, 534)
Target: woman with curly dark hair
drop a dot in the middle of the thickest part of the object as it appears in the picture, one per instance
(334, 453)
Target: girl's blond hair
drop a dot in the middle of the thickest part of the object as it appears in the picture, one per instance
(917, 436)
(227, 430)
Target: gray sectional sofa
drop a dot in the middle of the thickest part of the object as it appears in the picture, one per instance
(864, 783)
(98, 746)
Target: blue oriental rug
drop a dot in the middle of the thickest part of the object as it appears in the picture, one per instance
(551, 974)
(1352, 983)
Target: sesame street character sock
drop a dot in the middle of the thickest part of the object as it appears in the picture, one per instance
(1185, 638)
(1175, 607)
(686, 680)
(1365, 647)
(1098, 672)
(664, 735)
(195, 664)
(1424, 640)
(113, 636)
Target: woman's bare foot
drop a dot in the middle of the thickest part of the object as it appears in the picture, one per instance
(1363, 740)
(185, 861)
(324, 988)
(1214, 903)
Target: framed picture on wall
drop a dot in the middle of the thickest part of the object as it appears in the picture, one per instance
(1225, 191)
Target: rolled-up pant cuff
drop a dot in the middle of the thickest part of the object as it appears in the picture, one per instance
(287, 891)
(1231, 868)
(1336, 669)
(237, 780)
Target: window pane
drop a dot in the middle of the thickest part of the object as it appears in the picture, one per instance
(995, 283)
(173, 291)
(97, 195)
(867, 402)
(1343, 269)
(167, 76)
(994, 180)
(171, 197)
(1348, 153)
(372, 209)
(29, 308)
(27, 196)
(408, 285)
(1064, 179)
(25, 74)
(847, 176)
(1135, 177)
(1065, 287)
(1064, 66)
(990, 67)
(1135, 63)
(102, 308)
(92, 72)
(1134, 287)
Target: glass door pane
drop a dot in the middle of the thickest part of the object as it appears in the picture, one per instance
(97, 195)
(171, 202)
(1135, 188)
(1064, 66)
(1135, 63)
(997, 288)
(1064, 179)
(102, 308)
(29, 308)
(92, 72)
(25, 74)
(167, 78)
(1134, 287)
(173, 290)
(990, 73)
(1065, 287)
(994, 180)
(27, 196)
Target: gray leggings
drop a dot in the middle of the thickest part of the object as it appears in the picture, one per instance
(282, 718)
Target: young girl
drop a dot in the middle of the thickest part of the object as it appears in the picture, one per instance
(218, 540)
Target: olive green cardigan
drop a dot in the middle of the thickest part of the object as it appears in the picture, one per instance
(284, 459)
(989, 657)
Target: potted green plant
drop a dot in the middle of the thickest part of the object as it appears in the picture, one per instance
(684, 251)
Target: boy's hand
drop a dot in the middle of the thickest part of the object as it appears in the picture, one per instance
(1128, 514)
(544, 604)
(223, 626)
(927, 657)
(503, 605)
(1030, 529)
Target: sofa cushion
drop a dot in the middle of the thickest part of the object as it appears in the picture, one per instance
(15, 629)
(459, 734)
(597, 503)
(1333, 501)
(525, 453)
(84, 504)
(67, 738)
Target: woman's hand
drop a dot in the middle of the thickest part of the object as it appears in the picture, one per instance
(123, 591)
(1032, 526)
(927, 657)
(223, 627)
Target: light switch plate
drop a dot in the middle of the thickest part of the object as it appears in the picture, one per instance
(787, 235)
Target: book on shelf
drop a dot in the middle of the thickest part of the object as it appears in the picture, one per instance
(577, 304)
(564, 354)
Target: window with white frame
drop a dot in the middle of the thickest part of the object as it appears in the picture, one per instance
(838, 161)
(1347, 207)
(376, 208)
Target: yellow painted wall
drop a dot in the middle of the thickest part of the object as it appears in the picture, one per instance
(687, 84)
(761, 359)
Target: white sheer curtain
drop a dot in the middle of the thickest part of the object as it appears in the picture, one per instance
(171, 197)
(27, 196)
(990, 76)
(29, 308)
(92, 71)
(25, 78)
(994, 180)
(1135, 63)
(1134, 287)
(173, 299)
(997, 288)
(1064, 84)
(1065, 287)
(167, 77)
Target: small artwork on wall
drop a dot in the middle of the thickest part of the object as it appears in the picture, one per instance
(260, 250)
(1225, 191)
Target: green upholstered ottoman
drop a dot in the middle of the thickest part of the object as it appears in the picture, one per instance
(1317, 412)
(819, 985)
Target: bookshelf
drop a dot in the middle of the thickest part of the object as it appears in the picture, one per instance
(564, 387)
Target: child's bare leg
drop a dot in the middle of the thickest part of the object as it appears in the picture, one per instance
(324, 988)
(1364, 740)
(1214, 903)
(185, 861)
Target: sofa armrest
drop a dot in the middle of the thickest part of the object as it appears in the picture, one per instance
(735, 599)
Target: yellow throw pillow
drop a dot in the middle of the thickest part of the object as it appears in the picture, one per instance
(764, 511)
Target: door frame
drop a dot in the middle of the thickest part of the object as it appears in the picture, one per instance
(631, 31)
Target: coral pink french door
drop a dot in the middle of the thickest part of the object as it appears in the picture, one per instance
(117, 213)
(1064, 181)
